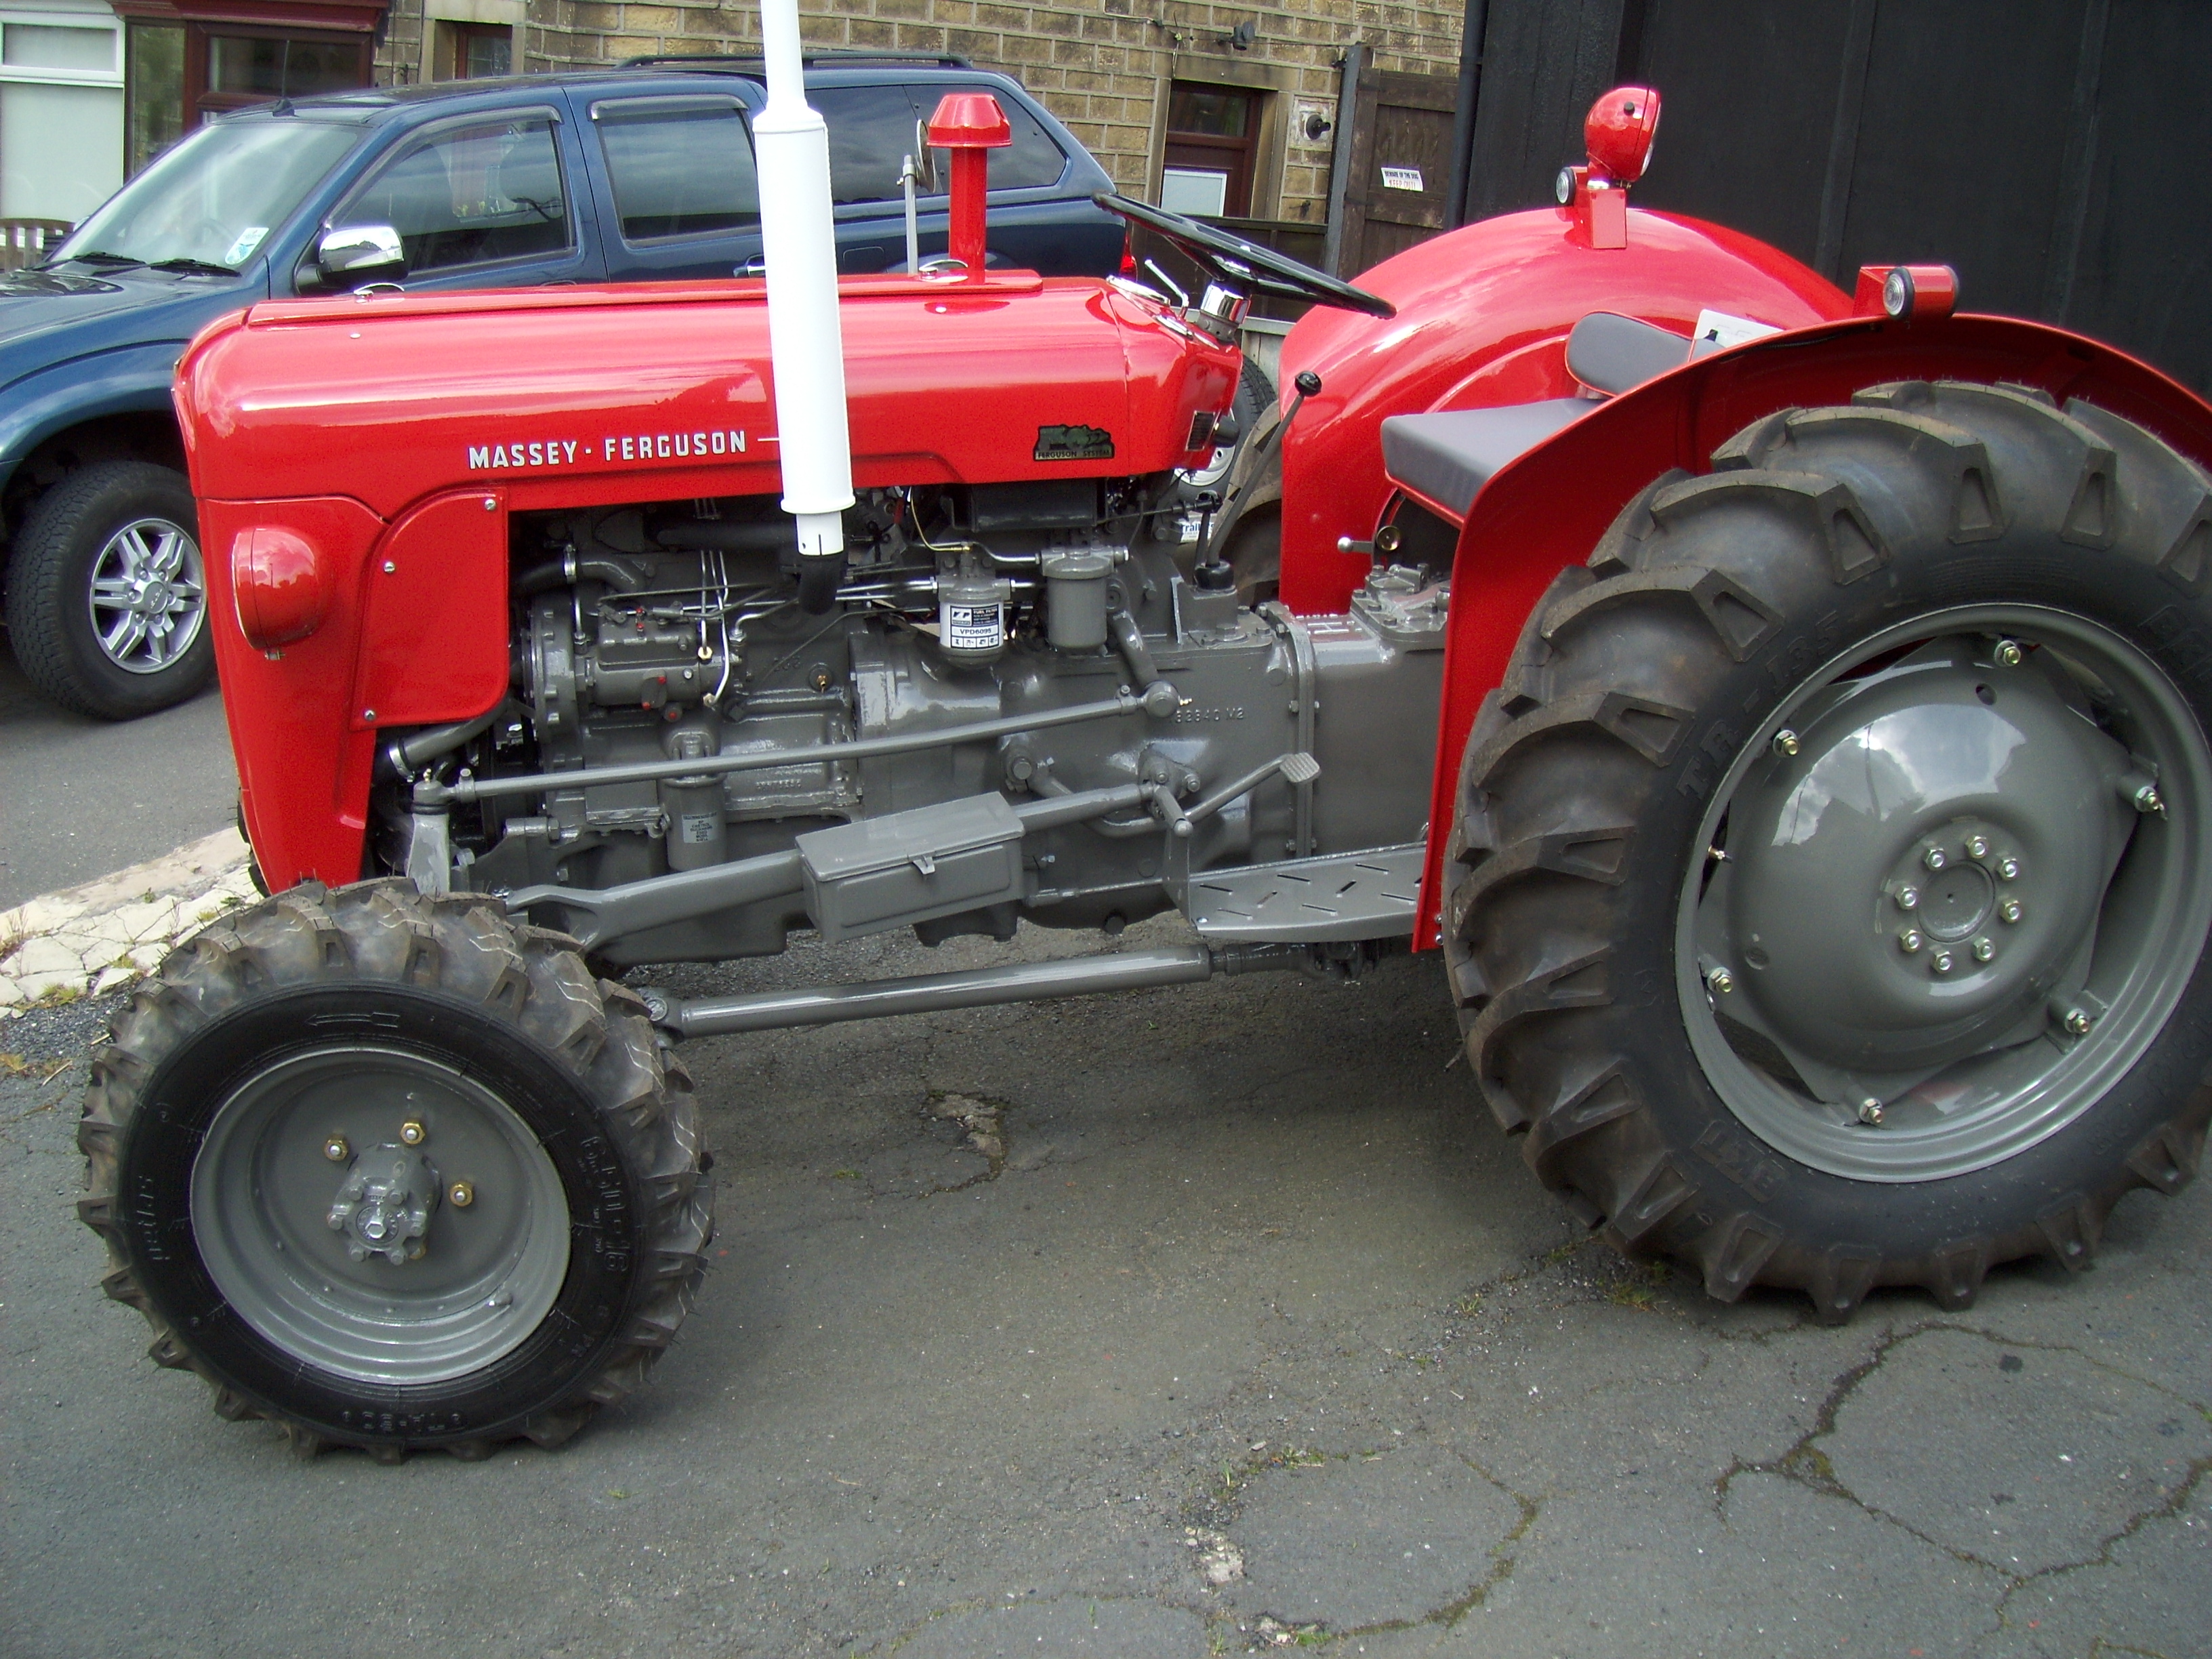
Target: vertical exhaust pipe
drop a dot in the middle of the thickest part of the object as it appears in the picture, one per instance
(799, 241)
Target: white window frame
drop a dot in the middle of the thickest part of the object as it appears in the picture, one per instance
(65, 19)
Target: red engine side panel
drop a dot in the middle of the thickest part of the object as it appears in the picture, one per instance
(1549, 507)
(302, 771)
(378, 430)
(1483, 317)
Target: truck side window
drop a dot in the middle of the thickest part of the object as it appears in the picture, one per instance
(678, 172)
(489, 190)
(1031, 160)
(870, 128)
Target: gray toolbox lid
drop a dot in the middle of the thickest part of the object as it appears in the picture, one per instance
(919, 837)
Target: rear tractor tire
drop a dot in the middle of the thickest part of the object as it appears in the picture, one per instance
(396, 1173)
(1829, 891)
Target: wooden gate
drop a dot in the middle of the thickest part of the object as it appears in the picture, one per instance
(1401, 157)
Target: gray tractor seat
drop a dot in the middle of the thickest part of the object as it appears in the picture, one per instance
(1447, 456)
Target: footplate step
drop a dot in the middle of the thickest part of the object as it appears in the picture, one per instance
(1370, 894)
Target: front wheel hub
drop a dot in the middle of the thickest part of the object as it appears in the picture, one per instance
(383, 1207)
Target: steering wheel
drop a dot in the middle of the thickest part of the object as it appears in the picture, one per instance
(1246, 264)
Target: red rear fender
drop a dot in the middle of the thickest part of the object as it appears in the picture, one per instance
(1548, 509)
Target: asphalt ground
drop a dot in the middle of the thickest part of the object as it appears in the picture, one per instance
(79, 798)
(1024, 1321)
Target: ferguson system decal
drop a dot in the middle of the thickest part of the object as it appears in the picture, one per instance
(627, 446)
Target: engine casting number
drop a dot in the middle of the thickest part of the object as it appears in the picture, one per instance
(1200, 716)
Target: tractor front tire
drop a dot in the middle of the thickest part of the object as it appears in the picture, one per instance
(396, 1173)
(1828, 895)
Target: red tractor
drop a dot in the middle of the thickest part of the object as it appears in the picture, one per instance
(1787, 710)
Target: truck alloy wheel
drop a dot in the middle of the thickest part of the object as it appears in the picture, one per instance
(1832, 885)
(107, 592)
(396, 1173)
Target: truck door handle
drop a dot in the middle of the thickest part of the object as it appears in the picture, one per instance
(756, 266)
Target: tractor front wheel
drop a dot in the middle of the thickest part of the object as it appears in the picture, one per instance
(1832, 880)
(396, 1173)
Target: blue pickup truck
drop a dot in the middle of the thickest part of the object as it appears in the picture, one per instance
(640, 172)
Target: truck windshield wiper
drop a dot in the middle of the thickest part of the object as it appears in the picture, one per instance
(193, 266)
(96, 256)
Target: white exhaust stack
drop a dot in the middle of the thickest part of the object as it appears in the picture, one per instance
(798, 240)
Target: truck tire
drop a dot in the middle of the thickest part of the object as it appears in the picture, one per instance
(394, 1172)
(107, 592)
(1828, 896)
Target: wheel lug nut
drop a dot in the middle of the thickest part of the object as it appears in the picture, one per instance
(335, 1149)
(463, 1194)
(2008, 868)
(1977, 848)
(413, 1133)
(2010, 910)
(1933, 858)
(1785, 742)
(2077, 1022)
(1721, 982)
(2008, 653)
(1871, 1112)
(1908, 898)
(1909, 941)
(1940, 960)
(1984, 950)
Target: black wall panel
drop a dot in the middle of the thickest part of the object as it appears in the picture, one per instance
(2054, 151)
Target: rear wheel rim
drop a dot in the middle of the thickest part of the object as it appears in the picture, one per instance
(296, 1143)
(148, 595)
(1991, 1094)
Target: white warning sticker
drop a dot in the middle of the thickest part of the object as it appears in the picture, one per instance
(1721, 329)
(1402, 179)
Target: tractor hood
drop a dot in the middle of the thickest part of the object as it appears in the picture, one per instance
(588, 396)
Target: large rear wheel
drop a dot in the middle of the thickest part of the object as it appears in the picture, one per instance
(1831, 883)
(396, 1173)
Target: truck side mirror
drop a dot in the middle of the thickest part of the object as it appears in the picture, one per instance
(351, 252)
(925, 160)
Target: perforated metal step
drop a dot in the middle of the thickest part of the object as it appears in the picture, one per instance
(1345, 895)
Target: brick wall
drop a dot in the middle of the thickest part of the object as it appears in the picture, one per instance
(1101, 67)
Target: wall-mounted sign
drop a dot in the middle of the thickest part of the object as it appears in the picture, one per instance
(1402, 179)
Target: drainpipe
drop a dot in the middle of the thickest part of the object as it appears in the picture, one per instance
(1472, 30)
(799, 243)
(1339, 167)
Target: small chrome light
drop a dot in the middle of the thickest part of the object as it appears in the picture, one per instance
(1897, 292)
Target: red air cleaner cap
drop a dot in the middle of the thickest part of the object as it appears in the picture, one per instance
(969, 120)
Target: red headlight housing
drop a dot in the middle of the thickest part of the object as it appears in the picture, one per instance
(280, 585)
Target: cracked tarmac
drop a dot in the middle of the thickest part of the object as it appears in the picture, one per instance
(1173, 1324)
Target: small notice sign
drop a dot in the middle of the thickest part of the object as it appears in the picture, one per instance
(1402, 179)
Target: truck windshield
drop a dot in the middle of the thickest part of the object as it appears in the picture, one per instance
(214, 199)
